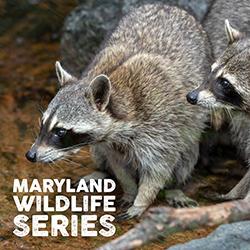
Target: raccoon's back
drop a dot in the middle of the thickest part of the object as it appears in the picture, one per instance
(236, 11)
(166, 31)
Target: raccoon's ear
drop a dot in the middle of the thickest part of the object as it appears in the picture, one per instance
(62, 75)
(100, 90)
(232, 34)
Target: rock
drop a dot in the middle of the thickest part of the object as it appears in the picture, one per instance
(85, 29)
(88, 24)
(226, 237)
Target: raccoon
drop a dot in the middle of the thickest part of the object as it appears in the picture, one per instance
(228, 84)
(130, 107)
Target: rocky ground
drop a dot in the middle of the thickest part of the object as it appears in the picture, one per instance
(29, 46)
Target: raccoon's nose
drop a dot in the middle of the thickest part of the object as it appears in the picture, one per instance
(192, 97)
(31, 156)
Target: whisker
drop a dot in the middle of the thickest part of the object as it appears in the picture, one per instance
(25, 142)
(50, 165)
(57, 165)
(40, 108)
(230, 115)
(70, 161)
(77, 146)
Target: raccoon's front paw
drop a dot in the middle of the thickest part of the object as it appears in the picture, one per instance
(132, 212)
(177, 199)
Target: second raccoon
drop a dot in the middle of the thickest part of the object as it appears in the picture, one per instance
(228, 85)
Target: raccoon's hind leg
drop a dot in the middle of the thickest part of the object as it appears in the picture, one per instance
(123, 173)
(240, 191)
(183, 168)
(102, 168)
(151, 182)
(241, 137)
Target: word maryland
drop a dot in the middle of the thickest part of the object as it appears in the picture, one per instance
(41, 215)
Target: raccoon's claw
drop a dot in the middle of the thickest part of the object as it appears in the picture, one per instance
(125, 201)
(177, 199)
(132, 212)
(189, 203)
(122, 217)
(183, 203)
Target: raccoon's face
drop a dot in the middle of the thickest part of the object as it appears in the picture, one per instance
(74, 118)
(228, 85)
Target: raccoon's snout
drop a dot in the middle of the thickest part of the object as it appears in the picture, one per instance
(31, 155)
(192, 97)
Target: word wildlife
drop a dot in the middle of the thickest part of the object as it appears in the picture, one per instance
(60, 224)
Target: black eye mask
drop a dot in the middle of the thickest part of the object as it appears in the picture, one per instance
(68, 139)
(225, 92)
(61, 138)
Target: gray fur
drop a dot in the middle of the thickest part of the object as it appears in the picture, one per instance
(232, 53)
(236, 11)
(147, 130)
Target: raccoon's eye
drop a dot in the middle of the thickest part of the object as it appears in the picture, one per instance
(60, 132)
(224, 83)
